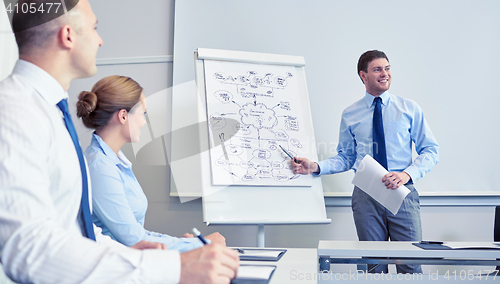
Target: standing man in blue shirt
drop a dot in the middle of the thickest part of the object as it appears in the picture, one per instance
(387, 135)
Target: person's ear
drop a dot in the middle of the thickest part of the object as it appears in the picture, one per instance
(66, 37)
(122, 116)
(362, 75)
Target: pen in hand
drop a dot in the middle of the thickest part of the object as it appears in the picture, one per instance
(289, 155)
(198, 234)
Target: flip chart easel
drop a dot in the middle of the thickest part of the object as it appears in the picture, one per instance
(237, 204)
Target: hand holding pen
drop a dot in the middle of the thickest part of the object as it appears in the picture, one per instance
(199, 236)
(288, 154)
(304, 166)
(212, 263)
(214, 238)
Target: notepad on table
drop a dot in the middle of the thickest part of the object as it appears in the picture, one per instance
(458, 246)
(254, 274)
(468, 245)
(261, 254)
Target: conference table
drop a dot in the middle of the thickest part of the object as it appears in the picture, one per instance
(457, 254)
(302, 265)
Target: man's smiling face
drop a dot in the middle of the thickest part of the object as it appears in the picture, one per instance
(377, 79)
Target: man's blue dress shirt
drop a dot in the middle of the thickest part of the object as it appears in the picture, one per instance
(403, 121)
(119, 204)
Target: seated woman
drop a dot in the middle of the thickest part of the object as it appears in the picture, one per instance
(115, 108)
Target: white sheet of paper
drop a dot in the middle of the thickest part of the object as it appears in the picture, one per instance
(466, 245)
(262, 253)
(369, 176)
(255, 272)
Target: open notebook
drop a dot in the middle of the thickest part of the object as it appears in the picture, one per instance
(254, 274)
(261, 254)
(458, 245)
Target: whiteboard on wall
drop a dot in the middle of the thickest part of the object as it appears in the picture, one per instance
(241, 201)
(446, 64)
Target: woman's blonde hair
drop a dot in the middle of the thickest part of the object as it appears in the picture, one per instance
(108, 95)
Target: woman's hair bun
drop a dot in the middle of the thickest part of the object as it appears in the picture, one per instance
(108, 96)
(87, 102)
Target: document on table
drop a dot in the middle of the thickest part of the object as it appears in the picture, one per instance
(458, 246)
(254, 274)
(466, 245)
(261, 254)
(368, 178)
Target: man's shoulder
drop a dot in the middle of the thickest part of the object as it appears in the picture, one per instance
(397, 98)
(355, 106)
(404, 102)
(23, 111)
(19, 97)
(14, 89)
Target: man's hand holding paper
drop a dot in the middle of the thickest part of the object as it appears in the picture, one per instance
(372, 178)
(393, 180)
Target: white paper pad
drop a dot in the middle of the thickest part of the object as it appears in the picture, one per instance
(466, 245)
(262, 253)
(255, 272)
(369, 176)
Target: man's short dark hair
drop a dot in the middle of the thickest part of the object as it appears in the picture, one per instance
(368, 57)
(33, 30)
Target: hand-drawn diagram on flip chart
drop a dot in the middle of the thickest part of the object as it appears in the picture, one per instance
(252, 110)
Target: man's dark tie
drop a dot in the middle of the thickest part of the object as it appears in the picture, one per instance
(379, 153)
(84, 205)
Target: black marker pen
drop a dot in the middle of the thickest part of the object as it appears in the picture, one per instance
(198, 234)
